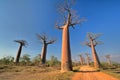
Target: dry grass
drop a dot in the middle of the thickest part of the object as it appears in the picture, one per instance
(32, 73)
(39, 73)
(113, 72)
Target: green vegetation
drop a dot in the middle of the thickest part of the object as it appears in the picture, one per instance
(25, 60)
(53, 61)
(8, 60)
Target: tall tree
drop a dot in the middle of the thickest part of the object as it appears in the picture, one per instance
(45, 41)
(22, 43)
(92, 43)
(108, 59)
(69, 19)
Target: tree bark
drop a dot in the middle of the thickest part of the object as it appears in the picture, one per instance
(66, 63)
(18, 54)
(43, 54)
(95, 56)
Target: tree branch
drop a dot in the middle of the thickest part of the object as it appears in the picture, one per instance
(87, 43)
(51, 41)
(76, 22)
(58, 27)
(44, 39)
(23, 42)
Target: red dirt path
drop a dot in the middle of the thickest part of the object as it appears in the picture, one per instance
(89, 73)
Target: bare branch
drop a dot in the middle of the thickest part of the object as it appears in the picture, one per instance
(39, 37)
(44, 39)
(97, 42)
(51, 41)
(69, 15)
(76, 22)
(23, 42)
(93, 36)
(58, 27)
(65, 20)
(87, 43)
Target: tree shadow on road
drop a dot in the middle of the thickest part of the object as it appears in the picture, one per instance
(85, 71)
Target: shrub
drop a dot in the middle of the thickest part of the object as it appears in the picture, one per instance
(8, 60)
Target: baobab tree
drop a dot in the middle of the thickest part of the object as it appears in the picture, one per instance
(87, 59)
(82, 60)
(45, 41)
(70, 19)
(108, 59)
(22, 43)
(92, 43)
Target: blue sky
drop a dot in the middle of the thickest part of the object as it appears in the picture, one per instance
(22, 19)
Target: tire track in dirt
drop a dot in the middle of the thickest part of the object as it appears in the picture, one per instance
(89, 73)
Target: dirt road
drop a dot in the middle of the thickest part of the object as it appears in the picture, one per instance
(89, 73)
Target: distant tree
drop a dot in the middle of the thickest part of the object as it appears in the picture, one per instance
(82, 60)
(108, 59)
(92, 43)
(87, 59)
(22, 43)
(70, 19)
(45, 41)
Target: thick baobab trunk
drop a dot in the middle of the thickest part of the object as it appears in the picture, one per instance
(95, 56)
(43, 54)
(18, 54)
(66, 63)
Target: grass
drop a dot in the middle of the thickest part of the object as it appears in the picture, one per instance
(33, 73)
(113, 72)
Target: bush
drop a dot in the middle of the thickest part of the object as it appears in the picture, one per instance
(8, 60)
(105, 65)
(53, 61)
(25, 60)
(36, 60)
